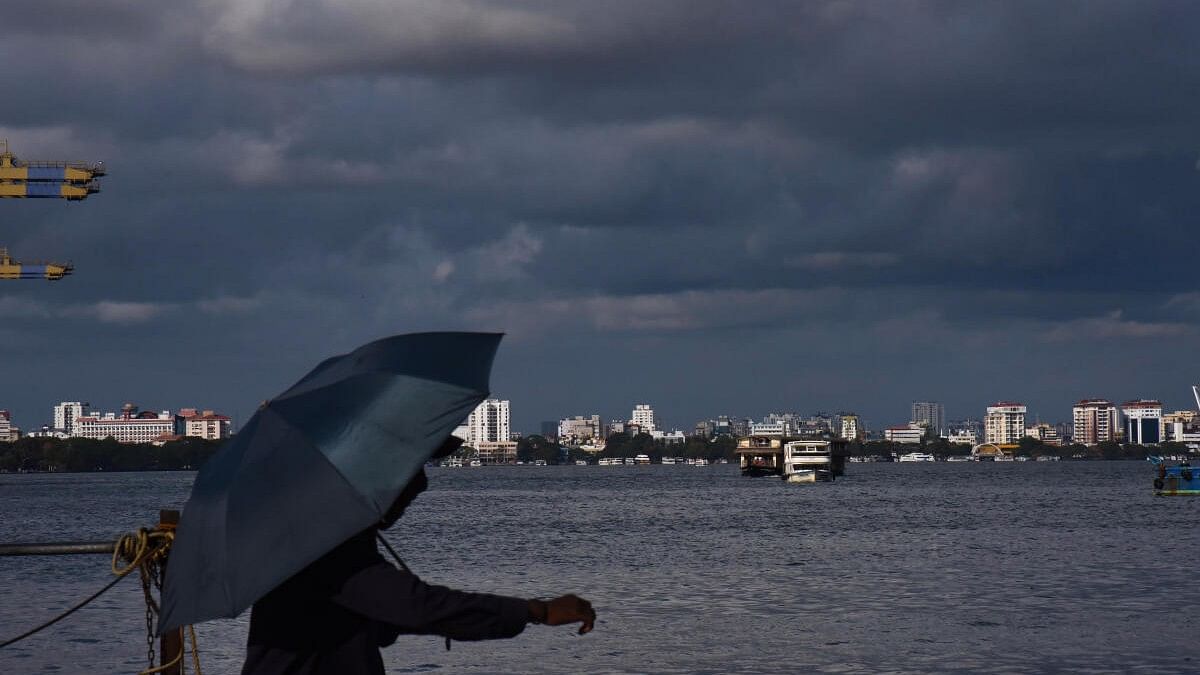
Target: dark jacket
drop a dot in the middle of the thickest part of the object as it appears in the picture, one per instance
(334, 615)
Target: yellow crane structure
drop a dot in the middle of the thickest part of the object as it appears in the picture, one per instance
(11, 269)
(72, 181)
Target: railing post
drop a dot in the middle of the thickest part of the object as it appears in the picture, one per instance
(170, 645)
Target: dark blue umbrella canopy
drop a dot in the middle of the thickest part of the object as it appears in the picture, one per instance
(318, 464)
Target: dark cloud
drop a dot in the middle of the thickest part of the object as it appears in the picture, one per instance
(860, 203)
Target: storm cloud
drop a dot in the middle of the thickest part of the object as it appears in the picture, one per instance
(713, 207)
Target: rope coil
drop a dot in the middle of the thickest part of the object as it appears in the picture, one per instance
(145, 551)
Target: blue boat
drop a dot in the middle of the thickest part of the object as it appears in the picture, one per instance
(1172, 481)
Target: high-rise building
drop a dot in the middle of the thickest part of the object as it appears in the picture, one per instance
(930, 414)
(1143, 421)
(6, 427)
(488, 422)
(1005, 422)
(66, 413)
(1094, 420)
(643, 416)
(851, 430)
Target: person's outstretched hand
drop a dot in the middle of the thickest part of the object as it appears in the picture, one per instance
(563, 610)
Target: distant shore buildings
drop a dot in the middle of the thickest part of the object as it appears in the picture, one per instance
(74, 419)
(487, 429)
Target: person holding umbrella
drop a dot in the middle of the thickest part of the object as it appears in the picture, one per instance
(285, 516)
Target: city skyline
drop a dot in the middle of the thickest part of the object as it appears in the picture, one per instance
(716, 207)
(526, 424)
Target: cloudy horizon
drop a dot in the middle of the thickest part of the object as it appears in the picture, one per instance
(712, 207)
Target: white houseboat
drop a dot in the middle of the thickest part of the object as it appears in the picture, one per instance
(808, 461)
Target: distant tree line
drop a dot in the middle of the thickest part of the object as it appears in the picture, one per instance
(85, 454)
(532, 448)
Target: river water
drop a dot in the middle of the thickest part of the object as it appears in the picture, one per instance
(1070, 567)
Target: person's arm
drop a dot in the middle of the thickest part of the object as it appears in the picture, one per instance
(383, 593)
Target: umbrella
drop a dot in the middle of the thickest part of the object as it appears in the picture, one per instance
(316, 465)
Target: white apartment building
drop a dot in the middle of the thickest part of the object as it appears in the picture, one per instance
(672, 437)
(851, 430)
(909, 434)
(6, 427)
(580, 428)
(1180, 426)
(206, 424)
(962, 437)
(1143, 421)
(769, 429)
(126, 428)
(66, 413)
(1093, 421)
(488, 423)
(1004, 423)
(643, 416)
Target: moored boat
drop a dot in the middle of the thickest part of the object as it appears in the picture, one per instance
(808, 461)
(916, 457)
(1175, 481)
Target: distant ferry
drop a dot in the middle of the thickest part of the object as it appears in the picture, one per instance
(917, 457)
(776, 456)
(641, 459)
(808, 461)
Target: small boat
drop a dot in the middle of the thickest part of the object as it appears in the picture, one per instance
(958, 458)
(668, 460)
(581, 462)
(476, 462)
(536, 462)
(700, 461)
(641, 459)
(917, 457)
(1175, 481)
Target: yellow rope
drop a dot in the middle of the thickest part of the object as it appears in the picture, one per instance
(145, 551)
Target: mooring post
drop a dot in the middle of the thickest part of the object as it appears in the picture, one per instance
(170, 646)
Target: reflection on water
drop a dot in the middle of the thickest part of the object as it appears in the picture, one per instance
(913, 568)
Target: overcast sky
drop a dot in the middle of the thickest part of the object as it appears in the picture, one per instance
(713, 207)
